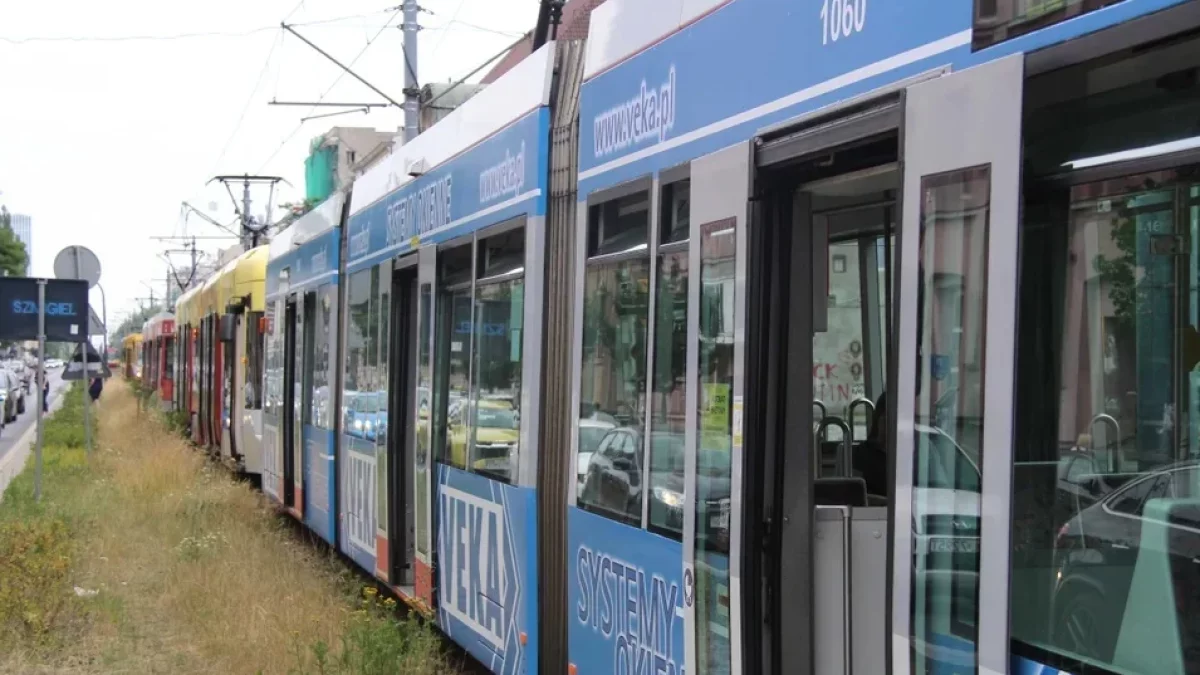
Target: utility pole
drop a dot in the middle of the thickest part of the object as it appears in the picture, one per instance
(252, 228)
(412, 88)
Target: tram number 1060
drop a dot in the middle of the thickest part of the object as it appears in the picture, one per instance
(842, 18)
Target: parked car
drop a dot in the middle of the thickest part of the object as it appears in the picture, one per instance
(591, 432)
(614, 480)
(497, 429)
(1096, 556)
(18, 368)
(12, 395)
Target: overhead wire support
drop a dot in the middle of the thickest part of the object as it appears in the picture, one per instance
(322, 104)
(471, 74)
(335, 114)
(341, 65)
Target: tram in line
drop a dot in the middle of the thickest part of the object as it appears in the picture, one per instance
(158, 357)
(131, 356)
(883, 362)
(219, 361)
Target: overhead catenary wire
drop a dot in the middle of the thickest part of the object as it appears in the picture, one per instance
(329, 89)
(181, 36)
(249, 100)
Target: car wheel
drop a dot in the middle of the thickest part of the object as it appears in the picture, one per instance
(1085, 624)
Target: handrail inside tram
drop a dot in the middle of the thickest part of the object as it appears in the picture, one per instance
(1115, 456)
(844, 460)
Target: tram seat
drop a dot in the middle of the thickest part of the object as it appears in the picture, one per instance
(839, 492)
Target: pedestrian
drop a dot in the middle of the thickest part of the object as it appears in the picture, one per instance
(96, 387)
(46, 396)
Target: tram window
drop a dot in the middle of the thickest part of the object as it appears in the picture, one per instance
(356, 378)
(322, 362)
(718, 247)
(307, 365)
(496, 386)
(675, 217)
(254, 361)
(667, 404)
(1000, 20)
(454, 372)
(496, 372)
(613, 379)
(948, 434)
(620, 225)
(501, 254)
(382, 309)
(426, 416)
(1109, 369)
(169, 357)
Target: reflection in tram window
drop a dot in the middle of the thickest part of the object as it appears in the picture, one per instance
(496, 387)
(615, 308)
(255, 346)
(718, 246)
(613, 379)
(382, 320)
(358, 327)
(322, 377)
(948, 434)
(454, 344)
(667, 404)
(424, 417)
(1106, 527)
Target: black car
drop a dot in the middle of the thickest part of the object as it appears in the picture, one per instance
(1097, 554)
(615, 480)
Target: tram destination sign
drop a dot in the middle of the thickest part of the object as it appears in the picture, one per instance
(66, 309)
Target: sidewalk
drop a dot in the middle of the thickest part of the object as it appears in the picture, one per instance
(13, 461)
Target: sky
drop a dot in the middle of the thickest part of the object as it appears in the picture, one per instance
(113, 114)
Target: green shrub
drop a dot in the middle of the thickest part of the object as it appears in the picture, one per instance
(35, 566)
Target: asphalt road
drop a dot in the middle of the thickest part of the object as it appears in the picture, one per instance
(13, 431)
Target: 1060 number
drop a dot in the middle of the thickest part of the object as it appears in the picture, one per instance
(842, 18)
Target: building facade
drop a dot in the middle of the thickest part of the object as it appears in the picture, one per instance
(23, 227)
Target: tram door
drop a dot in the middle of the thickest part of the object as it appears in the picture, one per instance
(823, 240)
(400, 424)
(291, 401)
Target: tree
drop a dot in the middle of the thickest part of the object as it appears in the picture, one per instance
(133, 323)
(13, 256)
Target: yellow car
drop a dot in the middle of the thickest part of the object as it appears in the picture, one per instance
(497, 430)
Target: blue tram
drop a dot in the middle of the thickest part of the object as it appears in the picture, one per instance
(756, 336)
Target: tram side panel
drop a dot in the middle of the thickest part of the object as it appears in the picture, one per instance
(480, 214)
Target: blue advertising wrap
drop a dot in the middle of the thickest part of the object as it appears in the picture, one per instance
(319, 491)
(625, 598)
(357, 464)
(488, 584)
(657, 109)
(312, 263)
(501, 177)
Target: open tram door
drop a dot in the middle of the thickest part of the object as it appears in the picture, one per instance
(289, 425)
(396, 548)
(856, 432)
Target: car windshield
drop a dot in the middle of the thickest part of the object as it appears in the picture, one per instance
(590, 437)
(496, 418)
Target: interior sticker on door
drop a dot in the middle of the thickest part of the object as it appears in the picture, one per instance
(737, 422)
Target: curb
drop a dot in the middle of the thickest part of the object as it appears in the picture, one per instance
(14, 461)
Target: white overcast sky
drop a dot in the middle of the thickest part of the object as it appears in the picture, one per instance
(102, 139)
